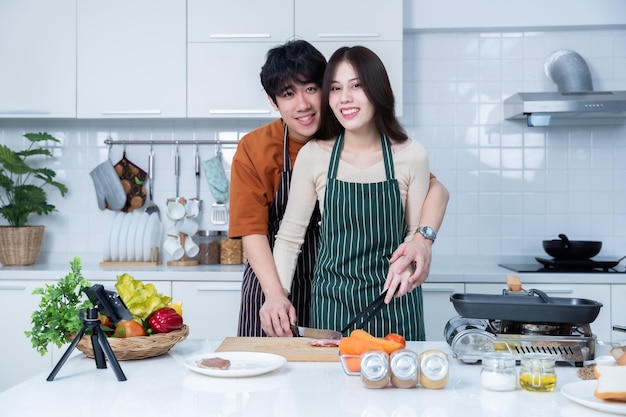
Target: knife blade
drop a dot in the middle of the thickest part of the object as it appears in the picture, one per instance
(300, 331)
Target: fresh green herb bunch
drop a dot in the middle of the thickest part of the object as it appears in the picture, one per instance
(57, 318)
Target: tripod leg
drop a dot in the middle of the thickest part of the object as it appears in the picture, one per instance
(97, 351)
(67, 353)
(104, 344)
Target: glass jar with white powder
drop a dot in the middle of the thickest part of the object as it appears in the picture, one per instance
(498, 372)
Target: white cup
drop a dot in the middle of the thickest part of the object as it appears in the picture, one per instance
(175, 210)
(192, 207)
(172, 247)
(191, 248)
(187, 226)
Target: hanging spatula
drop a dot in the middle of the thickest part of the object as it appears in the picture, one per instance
(219, 187)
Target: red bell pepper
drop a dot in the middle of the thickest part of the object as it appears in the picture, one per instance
(165, 320)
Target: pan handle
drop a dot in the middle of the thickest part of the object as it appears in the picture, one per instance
(544, 297)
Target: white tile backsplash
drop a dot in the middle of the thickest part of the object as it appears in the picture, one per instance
(511, 186)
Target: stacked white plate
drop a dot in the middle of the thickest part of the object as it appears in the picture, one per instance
(132, 237)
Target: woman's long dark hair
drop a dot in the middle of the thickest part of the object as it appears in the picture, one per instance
(376, 85)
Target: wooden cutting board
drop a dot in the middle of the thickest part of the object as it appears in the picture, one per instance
(294, 349)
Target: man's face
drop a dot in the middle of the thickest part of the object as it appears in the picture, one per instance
(299, 106)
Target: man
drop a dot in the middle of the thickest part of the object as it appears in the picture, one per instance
(260, 178)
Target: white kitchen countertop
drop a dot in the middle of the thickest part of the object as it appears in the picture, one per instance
(164, 387)
(451, 269)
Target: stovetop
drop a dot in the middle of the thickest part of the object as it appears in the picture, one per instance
(596, 265)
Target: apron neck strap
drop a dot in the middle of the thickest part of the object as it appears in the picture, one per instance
(286, 159)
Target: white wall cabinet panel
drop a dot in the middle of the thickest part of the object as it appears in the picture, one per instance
(210, 309)
(437, 307)
(224, 81)
(131, 59)
(38, 58)
(461, 14)
(240, 21)
(332, 20)
(19, 360)
(601, 326)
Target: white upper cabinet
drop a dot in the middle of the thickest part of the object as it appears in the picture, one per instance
(131, 59)
(331, 24)
(340, 20)
(226, 51)
(37, 58)
(240, 20)
(484, 14)
(224, 80)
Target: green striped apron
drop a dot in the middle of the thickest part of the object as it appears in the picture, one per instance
(362, 225)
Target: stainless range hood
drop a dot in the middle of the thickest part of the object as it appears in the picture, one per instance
(574, 108)
(575, 103)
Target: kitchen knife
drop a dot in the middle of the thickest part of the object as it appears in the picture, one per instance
(299, 331)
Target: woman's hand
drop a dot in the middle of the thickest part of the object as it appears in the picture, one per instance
(277, 315)
(409, 266)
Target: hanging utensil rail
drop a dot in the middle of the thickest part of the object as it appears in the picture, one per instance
(112, 142)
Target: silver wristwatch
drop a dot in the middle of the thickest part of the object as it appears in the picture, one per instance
(428, 232)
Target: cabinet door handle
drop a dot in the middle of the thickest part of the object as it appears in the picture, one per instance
(129, 112)
(438, 289)
(25, 112)
(226, 111)
(220, 286)
(12, 287)
(239, 35)
(348, 35)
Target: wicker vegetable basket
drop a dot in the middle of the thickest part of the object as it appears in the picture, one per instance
(140, 347)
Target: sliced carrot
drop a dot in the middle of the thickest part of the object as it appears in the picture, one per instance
(388, 346)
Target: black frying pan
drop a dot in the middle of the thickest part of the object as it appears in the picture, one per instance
(536, 307)
(563, 248)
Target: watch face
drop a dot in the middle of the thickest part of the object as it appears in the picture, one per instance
(428, 232)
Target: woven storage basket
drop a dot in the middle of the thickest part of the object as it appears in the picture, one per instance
(20, 245)
(139, 347)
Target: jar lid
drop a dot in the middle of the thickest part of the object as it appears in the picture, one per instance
(209, 233)
(498, 360)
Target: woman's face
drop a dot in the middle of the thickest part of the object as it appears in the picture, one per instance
(348, 100)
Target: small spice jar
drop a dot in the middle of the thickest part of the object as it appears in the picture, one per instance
(209, 246)
(498, 372)
(433, 369)
(375, 369)
(537, 372)
(404, 364)
(231, 252)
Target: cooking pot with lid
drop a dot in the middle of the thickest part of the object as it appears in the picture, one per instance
(563, 248)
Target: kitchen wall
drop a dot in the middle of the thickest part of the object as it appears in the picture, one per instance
(511, 186)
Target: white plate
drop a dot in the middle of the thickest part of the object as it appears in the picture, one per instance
(106, 242)
(241, 363)
(141, 230)
(121, 245)
(151, 235)
(132, 235)
(581, 392)
(115, 235)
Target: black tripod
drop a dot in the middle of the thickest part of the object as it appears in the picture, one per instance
(99, 344)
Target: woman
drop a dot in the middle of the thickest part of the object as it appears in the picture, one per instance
(370, 181)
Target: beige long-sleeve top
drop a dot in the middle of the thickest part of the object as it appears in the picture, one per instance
(308, 185)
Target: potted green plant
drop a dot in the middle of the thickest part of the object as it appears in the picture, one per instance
(22, 193)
